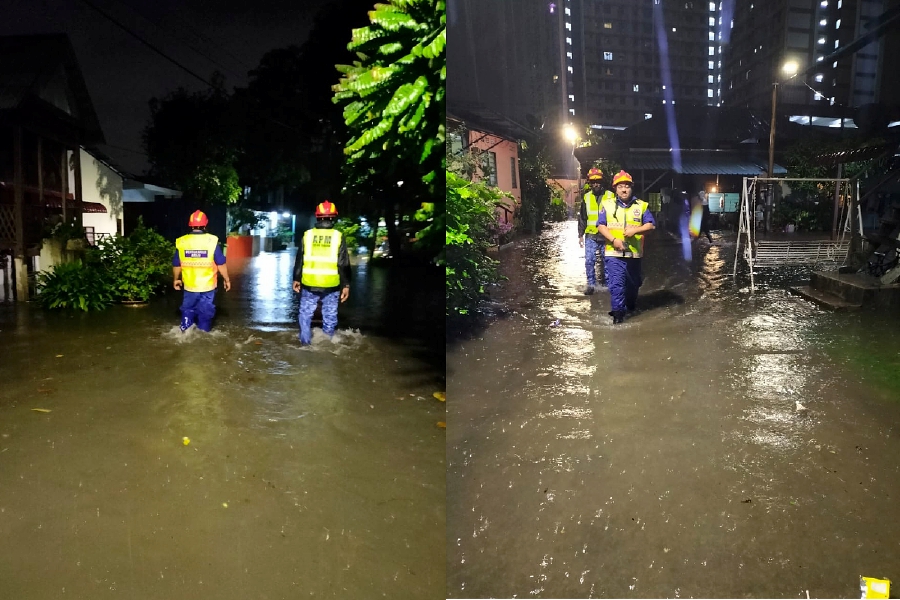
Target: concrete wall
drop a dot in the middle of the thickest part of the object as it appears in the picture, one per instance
(99, 183)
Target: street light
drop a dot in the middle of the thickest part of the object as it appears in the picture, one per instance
(789, 68)
(571, 136)
(570, 133)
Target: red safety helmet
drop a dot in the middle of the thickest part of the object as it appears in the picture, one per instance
(622, 177)
(595, 174)
(326, 209)
(198, 219)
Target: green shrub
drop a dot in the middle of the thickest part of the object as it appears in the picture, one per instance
(349, 229)
(138, 265)
(74, 285)
(558, 210)
(471, 222)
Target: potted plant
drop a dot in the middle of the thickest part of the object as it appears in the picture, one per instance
(241, 220)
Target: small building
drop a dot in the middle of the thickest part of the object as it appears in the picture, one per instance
(46, 121)
(496, 140)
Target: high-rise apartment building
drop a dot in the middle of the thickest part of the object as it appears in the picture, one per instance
(766, 34)
(626, 58)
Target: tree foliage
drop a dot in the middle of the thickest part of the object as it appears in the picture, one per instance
(191, 145)
(393, 95)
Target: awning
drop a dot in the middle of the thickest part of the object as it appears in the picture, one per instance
(88, 207)
(697, 163)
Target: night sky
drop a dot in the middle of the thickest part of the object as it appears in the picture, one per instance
(122, 74)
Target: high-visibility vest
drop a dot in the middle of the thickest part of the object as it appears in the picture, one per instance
(593, 210)
(617, 217)
(198, 265)
(320, 258)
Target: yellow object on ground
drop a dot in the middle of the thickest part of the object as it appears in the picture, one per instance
(875, 588)
(185, 441)
(442, 425)
(44, 410)
(440, 396)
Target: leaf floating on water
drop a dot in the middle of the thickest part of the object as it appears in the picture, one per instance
(185, 440)
(43, 410)
(442, 425)
(59, 356)
(225, 505)
(440, 396)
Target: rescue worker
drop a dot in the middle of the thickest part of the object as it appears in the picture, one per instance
(321, 273)
(587, 227)
(196, 267)
(623, 221)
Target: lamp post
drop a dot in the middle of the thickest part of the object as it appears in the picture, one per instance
(789, 68)
(571, 135)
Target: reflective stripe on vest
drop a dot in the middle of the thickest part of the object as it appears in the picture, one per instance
(197, 251)
(320, 258)
(617, 217)
(593, 210)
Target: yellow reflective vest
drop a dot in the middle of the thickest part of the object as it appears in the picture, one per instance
(593, 210)
(197, 251)
(617, 217)
(320, 258)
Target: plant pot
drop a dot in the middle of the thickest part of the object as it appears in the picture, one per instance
(239, 246)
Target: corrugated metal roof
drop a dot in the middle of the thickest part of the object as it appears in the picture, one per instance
(698, 163)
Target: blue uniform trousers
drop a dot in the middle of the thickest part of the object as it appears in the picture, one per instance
(591, 245)
(624, 278)
(308, 302)
(198, 307)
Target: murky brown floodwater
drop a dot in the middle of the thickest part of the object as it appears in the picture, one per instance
(669, 457)
(309, 473)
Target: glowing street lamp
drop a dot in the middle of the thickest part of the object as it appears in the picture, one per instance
(789, 68)
(570, 134)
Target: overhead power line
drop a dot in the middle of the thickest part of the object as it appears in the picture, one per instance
(146, 43)
(185, 42)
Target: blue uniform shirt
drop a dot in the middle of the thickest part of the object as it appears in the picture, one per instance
(646, 218)
(218, 257)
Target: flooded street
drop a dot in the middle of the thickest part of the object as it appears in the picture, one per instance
(718, 444)
(234, 464)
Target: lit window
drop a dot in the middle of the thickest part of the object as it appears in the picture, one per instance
(607, 26)
(568, 12)
(637, 88)
(818, 96)
(712, 51)
(820, 58)
(720, 64)
(712, 7)
(840, 3)
(719, 79)
(664, 101)
(569, 41)
(732, 24)
(837, 24)
(664, 87)
(823, 3)
(568, 55)
(607, 56)
(673, 103)
(720, 49)
(709, 93)
(720, 6)
(571, 97)
(572, 110)
(570, 70)
(751, 7)
(837, 43)
(820, 77)
(569, 26)
(711, 65)
(823, 22)
(832, 101)
(674, 30)
(821, 40)
(712, 21)
(648, 116)
(834, 65)
(712, 36)
(720, 39)
(710, 79)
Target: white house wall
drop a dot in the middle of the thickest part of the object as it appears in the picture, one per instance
(99, 183)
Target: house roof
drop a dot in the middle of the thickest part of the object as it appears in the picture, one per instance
(490, 122)
(39, 74)
(698, 162)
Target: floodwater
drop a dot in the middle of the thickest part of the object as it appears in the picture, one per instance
(234, 464)
(718, 444)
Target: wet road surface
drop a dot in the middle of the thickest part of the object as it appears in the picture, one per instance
(315, 472)
(718, 444)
